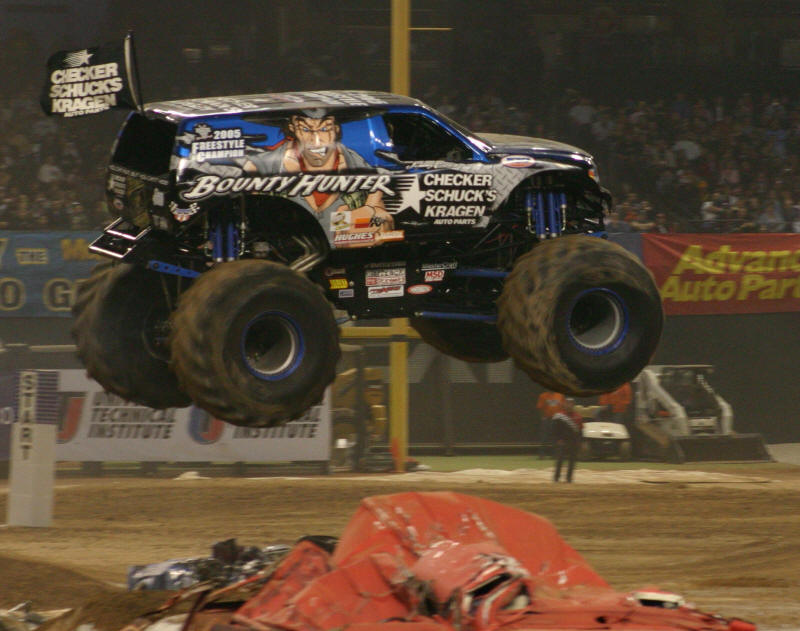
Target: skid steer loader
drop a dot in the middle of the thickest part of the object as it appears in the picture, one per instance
(680, 418)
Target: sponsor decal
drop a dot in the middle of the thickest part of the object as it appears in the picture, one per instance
(385, 265)
(353, 239)
(434, 276)
(203, 428)
(183, 214)
(518, 162)
(335, 271)
(417, 290)
(735, 273)
(215, 144)
(158, 197)
(343, 220)
(385, 291)
(444, 198)
(346, 293)
(390, 276)
(300, 185)
(391, 235)
(337, 283)
(440, 265)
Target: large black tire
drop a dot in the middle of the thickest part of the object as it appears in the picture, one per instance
(120, 317)
(254, 343)
(463, 339)
(580, 315)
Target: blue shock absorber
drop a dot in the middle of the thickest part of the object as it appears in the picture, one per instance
(231, 234)
(224, 239)
(546, 212)
(552, 214)
(217, 243)
(538, 214)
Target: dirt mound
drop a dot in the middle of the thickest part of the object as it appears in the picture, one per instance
(729, 543)
(46, 584)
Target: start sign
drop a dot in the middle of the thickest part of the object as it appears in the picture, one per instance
(32, 470)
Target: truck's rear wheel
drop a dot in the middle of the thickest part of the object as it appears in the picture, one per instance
(580, 315)
(462, 339)
(254, 343)
(121, 314)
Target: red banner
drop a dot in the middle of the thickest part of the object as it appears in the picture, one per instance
(725, 273)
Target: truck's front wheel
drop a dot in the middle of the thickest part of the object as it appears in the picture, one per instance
(580, 315)
(254, 343)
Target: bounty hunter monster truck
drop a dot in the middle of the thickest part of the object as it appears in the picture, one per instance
(242, 222)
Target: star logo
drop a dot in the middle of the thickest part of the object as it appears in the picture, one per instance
(203, 131)
(78, 58)
(410, 193)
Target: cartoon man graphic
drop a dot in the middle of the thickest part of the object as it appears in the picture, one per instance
(313, 145)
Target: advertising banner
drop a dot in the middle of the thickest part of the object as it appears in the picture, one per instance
(700, 274)
(94, 425)
(38, 271)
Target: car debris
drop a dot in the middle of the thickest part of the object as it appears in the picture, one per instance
(434, 561)
(228, 563)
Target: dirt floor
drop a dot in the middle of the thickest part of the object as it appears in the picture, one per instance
(729, 542)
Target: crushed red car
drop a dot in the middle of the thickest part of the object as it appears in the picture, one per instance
(439, 562)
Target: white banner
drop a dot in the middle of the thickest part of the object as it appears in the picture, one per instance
(94, 425)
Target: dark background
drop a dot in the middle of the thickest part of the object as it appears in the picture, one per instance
(530, 54)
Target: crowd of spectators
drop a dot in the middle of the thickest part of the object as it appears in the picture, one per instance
(51, 171)
(686, 163)
(682, 164)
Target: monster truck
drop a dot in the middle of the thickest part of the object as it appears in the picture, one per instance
(242, 222)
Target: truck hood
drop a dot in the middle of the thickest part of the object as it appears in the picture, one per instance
(508, 144)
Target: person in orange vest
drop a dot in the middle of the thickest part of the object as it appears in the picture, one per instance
(549, 404)
(617, 402)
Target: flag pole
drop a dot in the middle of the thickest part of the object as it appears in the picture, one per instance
(132, 70)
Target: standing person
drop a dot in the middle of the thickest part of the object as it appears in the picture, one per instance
(567, 433)
(549, 404)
